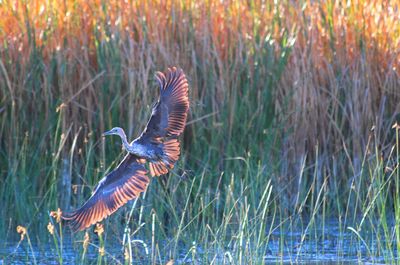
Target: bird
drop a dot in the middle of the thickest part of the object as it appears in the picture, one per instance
(158, 146)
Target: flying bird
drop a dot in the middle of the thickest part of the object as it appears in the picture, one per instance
(158, 145)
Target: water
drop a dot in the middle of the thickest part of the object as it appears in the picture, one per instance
(320, 246)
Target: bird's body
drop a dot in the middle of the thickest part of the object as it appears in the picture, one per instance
(151, 152)
(158, 145)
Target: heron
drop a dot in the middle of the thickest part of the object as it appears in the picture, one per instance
(158, 146)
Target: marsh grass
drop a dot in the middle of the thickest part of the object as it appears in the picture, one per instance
(279, 141)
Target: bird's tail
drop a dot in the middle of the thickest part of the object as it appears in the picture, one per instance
(171, 152)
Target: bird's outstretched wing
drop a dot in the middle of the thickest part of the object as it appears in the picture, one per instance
(169, 114)
(168, 119)
(122, 184)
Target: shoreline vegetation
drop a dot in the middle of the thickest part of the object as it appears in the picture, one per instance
(294, 122)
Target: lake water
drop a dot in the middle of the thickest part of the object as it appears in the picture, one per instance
(327, 246)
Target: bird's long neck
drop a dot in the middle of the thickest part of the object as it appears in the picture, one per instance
(124, 140)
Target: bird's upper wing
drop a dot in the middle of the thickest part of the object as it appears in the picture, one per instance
(124, 183)
(169, 114)
(168, 120)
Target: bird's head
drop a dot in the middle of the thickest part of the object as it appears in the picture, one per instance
(116, 130)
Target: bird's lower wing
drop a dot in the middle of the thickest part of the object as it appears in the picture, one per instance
(121, 185)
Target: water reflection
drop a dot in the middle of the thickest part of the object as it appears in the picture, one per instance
(330, 245)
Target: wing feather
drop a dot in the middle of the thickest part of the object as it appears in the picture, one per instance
(170, 112)
(121, 185)
(168, 119)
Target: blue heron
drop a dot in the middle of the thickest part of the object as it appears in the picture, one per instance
(158, 145)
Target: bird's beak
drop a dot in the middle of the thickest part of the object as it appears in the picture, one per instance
(107, 133)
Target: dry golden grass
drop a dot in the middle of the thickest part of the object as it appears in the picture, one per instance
(343, 77)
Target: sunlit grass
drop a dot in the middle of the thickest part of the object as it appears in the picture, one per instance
(243, 232)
